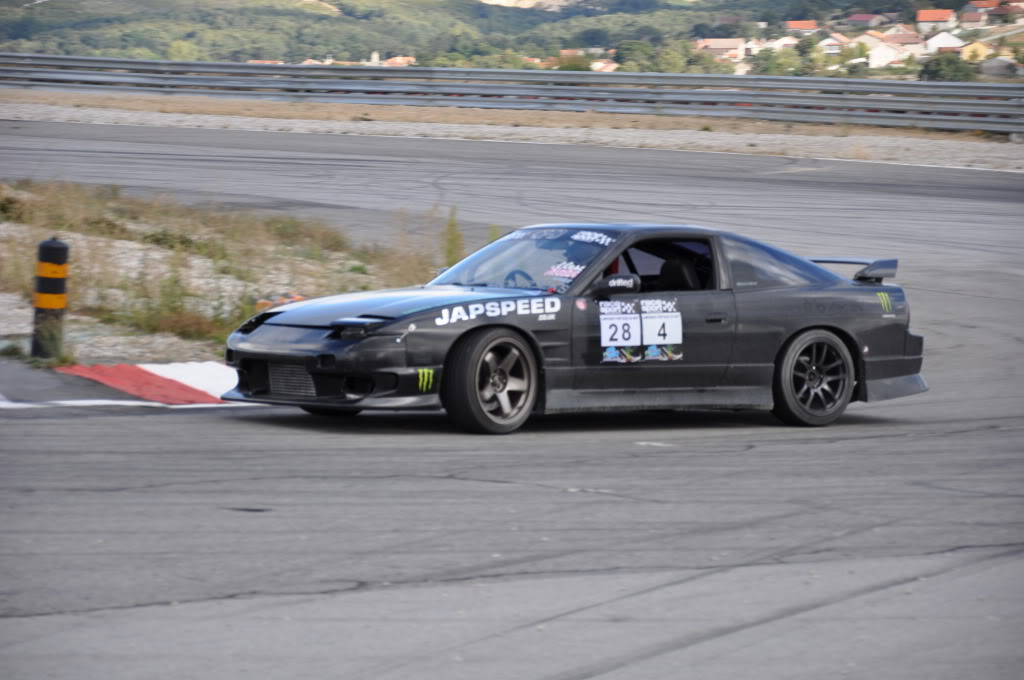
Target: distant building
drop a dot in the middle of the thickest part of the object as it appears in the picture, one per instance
(726, 48)
(865, 20)
(399, 62)
(976, 51)
(604, 65)
(972, 20)
(834, 43)
(981, 5)
(929, 20)
(802, 27)
(943, 39)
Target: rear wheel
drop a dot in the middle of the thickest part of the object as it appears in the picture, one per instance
(491, 383)
(814, 379)
(330, 412)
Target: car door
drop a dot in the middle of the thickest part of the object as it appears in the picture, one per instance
(677, 331)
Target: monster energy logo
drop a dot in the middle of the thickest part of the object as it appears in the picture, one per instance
(426, 376)
(886, 302)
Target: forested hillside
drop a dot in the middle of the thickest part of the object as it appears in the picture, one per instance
(457, 32)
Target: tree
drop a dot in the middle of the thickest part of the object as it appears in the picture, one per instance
(947, 66)
(593, 37)
(769, 62)
(183, 50)
(858, 69)
(634, 50)
(575, 63)
(651, 34)
(670, 61)
(454, 249)
(806, 44)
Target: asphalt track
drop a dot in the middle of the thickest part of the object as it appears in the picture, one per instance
(263, 542)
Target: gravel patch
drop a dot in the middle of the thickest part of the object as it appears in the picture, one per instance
(959, 154)
(92, 342)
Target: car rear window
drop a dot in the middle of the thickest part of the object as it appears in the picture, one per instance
(757, 265)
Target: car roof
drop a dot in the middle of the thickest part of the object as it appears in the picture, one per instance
(633, 227)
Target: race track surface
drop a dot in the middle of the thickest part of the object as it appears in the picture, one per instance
(251, 542)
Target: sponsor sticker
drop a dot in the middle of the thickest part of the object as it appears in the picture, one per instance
(565, 270)
(593, 237)
(621, 355)
(621, 283)
(545, 308)
(886, 302)
(536, 234)
(426, 379)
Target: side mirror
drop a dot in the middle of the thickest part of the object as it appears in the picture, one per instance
(616, 283)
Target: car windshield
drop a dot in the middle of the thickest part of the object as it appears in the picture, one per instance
(536, 259)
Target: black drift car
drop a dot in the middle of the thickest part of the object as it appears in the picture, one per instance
(594, 317)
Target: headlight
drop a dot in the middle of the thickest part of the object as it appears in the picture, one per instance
(255, 322)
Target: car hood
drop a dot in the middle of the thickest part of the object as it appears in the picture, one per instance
(386, 304)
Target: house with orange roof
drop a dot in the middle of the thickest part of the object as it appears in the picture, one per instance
(834, 43)
(872, 39)
(865, 20)
(929, 20)
(786, 41)
(1008, 12)
(729, 48)
(900, 28)
(972, 20)
(981, 5)
(603, 65)
(802, 27)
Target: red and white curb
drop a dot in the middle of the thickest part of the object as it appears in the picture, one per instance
(193, 384)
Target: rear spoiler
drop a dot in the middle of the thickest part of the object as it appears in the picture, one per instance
(874, 272)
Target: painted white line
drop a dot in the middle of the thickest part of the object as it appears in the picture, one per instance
(211, 377)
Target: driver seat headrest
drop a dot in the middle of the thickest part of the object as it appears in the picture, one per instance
(678, 274)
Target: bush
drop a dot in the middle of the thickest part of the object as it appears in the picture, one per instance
(948, 67)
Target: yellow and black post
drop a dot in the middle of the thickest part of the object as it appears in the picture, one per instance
(51, 299)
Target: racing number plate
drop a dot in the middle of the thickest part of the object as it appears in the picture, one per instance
(663, 328)
(620, 330)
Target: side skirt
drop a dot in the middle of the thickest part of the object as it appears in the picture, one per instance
(731, 398)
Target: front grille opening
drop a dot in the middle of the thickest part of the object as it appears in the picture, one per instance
(360, 386)
(291, 379)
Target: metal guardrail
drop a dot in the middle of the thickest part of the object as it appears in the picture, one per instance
(975, 106)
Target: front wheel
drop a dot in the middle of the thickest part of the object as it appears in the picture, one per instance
(814, 379)
(490, 385)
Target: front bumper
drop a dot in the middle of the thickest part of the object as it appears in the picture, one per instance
(313, 370)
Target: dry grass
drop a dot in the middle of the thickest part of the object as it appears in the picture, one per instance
(425, 114)
(160, 266)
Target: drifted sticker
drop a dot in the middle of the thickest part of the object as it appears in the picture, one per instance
(545, 309)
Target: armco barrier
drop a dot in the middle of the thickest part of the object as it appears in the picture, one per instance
(973, 106)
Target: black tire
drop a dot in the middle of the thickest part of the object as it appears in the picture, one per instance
(330, 412)
(814, 379)
(490, 384)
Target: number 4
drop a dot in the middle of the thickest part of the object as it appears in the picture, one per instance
(662, 333)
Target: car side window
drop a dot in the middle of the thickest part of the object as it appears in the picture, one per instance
(755, 266)
(669, 265)
(673, 264)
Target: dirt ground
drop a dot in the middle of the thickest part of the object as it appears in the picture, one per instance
(426, 114)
